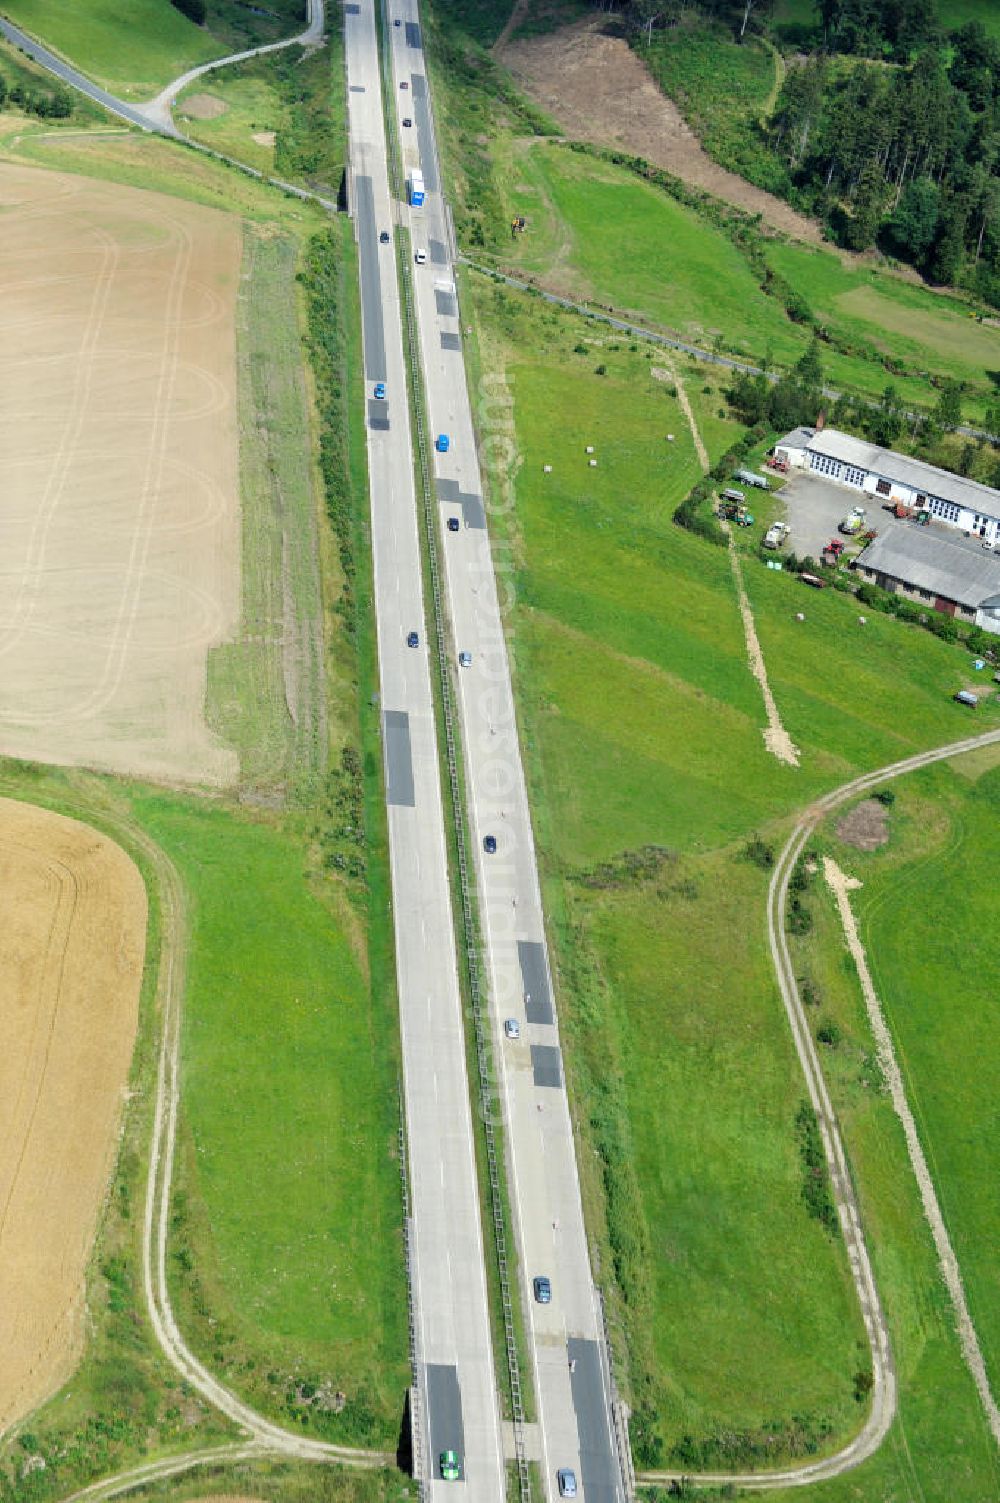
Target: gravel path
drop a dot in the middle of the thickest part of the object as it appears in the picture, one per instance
(777, 740)
(841, 885)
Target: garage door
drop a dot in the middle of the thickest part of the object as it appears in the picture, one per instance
(947, 606)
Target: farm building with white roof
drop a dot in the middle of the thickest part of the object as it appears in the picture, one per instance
(891, 477)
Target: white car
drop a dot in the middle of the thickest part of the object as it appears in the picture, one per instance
(512, 1028)
(465, 659)
(420, 257)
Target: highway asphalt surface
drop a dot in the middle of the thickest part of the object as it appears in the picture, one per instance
(569, 1358)
(457, 1406)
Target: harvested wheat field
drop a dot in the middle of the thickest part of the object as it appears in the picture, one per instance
(119, 532)
(72, 942)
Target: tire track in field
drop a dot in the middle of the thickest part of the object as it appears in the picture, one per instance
(841, 885)
(884, 1388)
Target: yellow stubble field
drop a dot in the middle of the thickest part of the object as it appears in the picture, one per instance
(119, 508)
(72, 942)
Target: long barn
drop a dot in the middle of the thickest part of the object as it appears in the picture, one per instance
(891, 477)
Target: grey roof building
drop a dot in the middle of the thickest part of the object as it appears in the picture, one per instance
(891, 477)
(951, 573)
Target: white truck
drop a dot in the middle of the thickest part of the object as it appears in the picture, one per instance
(776, 534)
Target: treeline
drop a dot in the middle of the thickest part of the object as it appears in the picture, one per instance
(55, 104)
(888, 132)
(906, 157)
(195, 10)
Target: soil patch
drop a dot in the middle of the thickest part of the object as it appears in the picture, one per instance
(598, 90)
(203, 107)
(265, 137)
(865, 826)
(72, 945)
(120, 532)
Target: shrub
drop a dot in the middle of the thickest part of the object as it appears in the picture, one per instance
(886, 796)
(816, 1180)
(759, 852)
(829, 1033)
(600, 370)
(800, 920)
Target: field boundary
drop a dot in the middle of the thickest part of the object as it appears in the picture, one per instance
(841, 885)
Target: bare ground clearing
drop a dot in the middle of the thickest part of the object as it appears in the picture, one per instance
(119, 536)
(865, 827)
(72, 943)
(203, 106)
(598, 90)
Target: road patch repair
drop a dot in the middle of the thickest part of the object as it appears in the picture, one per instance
(120, 535)
(72, 947)
(841, 885)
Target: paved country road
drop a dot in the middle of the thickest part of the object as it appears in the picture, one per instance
(155, 116)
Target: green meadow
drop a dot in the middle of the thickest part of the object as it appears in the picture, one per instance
(286, 1243)
(732, 1311)
(942, 823)
(599, 233)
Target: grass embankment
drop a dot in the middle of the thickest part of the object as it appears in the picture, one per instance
(597, 232)
(282, 1482)
(265, 689)
(648, 775)
(286, 95)
(286, 1220)
(932, 969)
(156, 45)
(289, 1230)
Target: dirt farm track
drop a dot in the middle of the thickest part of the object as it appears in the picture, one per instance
(119, 529)
(72, 942)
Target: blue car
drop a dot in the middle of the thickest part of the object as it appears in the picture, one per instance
(380, 391)
(443, 443)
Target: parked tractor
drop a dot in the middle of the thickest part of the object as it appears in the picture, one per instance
(735, 511)
(854, 521)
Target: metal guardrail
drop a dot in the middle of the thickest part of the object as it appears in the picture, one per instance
(452, 756)
(416, 1422)
(619, 1409)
